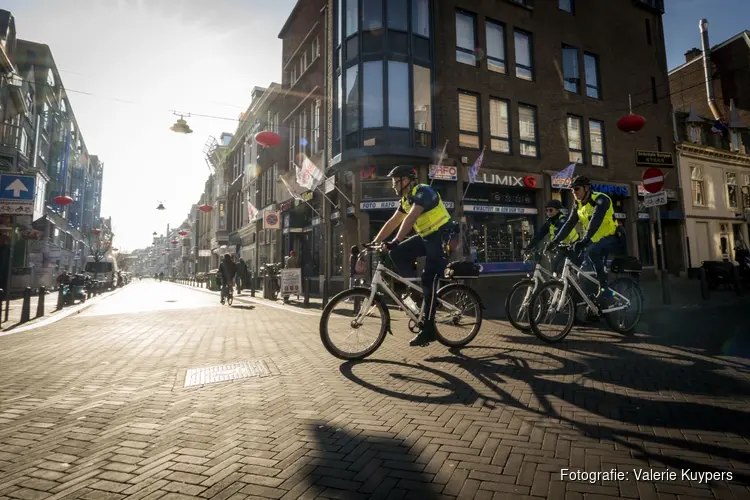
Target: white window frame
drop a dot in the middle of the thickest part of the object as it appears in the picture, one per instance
(576, 154)
(315, 48)
(594, 154)
(316, 126)
(467, 137)
(524, 141)
(292, 143)
(465, 55)
(499, 141)
(696, 181)
(303, 62)
(694, 133)
(730, 180)
(745, 192)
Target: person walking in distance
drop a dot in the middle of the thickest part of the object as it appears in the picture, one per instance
(227, 272)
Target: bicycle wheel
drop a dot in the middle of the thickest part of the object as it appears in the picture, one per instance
(517, 304)
(230, 299)
(338, 324)
(545, 305)
(458, 321)
(618, 320)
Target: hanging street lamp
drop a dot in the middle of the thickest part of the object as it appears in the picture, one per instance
(181, 126)
(205, 208)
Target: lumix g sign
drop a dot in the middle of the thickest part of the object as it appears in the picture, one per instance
(518, 181)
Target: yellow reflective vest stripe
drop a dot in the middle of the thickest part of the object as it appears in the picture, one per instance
(431, 220)
(573, 236)
(586, 211)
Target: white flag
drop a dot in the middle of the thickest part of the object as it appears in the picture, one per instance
(309, 175)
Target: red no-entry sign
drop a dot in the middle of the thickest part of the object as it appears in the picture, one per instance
(653, 180)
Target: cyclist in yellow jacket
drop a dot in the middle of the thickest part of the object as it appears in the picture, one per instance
(422, 210)
(595, 211)
(554, 222)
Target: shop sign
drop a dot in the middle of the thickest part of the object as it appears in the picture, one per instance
(316, 221)
(654, 159)
(204, 253)
(449, 205)
(528, 181)
(496, 209)
(335, 215)
(443, 172)
(671, 193)
(610, 189)
(620, 215)
(379, 205)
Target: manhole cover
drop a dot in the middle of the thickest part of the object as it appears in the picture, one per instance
(226, 373)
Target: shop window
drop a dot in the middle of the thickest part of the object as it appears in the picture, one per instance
(596, 143)
(499, 126)
(422, 92)
(524, 59)
(731, 181)
(398, 94)
(571, 71)
(468, 120)
(495, 33)
(499, 238)
(591, 66)
(466, 38)
(372, 95)
(527, 128)
(698, 186)
(575, 139)
(746, 191)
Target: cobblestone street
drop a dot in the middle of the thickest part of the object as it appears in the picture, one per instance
(96, 406)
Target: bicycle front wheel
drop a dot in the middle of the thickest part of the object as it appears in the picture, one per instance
(625, 320)
(349, 332)
(550, 314)
(517, 304)
(458, 315)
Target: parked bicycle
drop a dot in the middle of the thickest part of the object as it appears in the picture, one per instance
(566, 295)
(352, 310)
(518, 313)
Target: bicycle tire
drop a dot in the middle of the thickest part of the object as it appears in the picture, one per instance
(477, 326)
(325, 316)
(509, 312)
(534, 304)
(230, 299)
(637, 290)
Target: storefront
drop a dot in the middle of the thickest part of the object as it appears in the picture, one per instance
(501, 211)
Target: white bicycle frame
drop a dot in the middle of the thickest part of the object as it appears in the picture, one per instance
(378, 281)
(568, 280)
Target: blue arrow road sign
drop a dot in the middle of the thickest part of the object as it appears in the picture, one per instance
(17, 187)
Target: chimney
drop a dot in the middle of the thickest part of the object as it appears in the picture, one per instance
(692, 54)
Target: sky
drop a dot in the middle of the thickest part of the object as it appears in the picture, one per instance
(127, 64)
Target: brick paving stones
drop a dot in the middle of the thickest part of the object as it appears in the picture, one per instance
(94, 406)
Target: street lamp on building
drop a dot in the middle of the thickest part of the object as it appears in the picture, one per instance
(181, 126)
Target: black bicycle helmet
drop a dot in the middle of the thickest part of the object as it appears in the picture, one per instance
(581, 181)
(554, 204)
(403, 171)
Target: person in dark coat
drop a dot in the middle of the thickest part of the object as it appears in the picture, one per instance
(243, 274)
(227, 272)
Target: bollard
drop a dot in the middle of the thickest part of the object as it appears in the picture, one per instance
(306, 301)
(26, 307)
(40, 303)
(60, 298)
(252, 284)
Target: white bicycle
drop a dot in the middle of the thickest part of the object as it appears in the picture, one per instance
(360, 318)
(518, 299)
(565, 296)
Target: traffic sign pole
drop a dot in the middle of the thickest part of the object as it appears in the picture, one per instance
(10, 269)
(666, 295)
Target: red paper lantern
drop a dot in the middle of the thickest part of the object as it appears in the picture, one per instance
(183, 233)
(268, 139)
(63, 200)
(174, 242)
(631, 123)
(205, 208)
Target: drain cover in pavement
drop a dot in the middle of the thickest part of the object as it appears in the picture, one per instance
(226, 373)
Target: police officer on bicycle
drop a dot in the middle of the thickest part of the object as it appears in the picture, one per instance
(555, 221)
(595, 211)
(421, 209)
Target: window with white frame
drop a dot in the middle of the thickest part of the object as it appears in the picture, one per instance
(746, 192)
(736, 141)
(466, 38)
(698, 186)
(694, 133)
(575, 139)
(731, 180)
(596, 143)
(315, 46)
(293, 78)
(303, 136)
(316, 126)
(468, 120)
(527, 129)
(292, 142)
(499, 126)
(303, 63)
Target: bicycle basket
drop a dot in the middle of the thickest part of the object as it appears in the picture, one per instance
(461, 270)
(626, 265)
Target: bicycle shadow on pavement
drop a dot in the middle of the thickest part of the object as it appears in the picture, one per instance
(350, 464)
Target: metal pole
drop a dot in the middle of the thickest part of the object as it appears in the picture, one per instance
(10, 269)
(665, 292)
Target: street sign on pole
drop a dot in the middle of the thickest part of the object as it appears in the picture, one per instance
(655, 199)
(17, 194)
(653, 180)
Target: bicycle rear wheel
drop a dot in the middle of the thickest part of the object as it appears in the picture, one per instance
(517, 304)
(458, 321)
(341, 333)
(625, 320)
(550, 319)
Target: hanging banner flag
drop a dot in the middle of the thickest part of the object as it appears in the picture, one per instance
(474, 169)
(564, 177)
(291, 191)
(272, 220)
(309, 175)
(251, 211)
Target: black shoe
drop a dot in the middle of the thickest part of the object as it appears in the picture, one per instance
(603, 299)
(424, 337)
